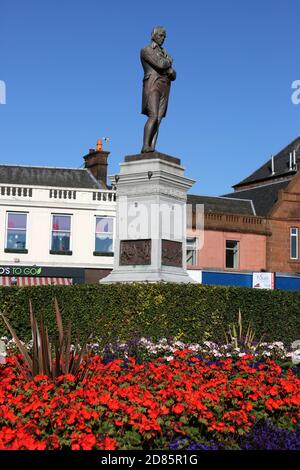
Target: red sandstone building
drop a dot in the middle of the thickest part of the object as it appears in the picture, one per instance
(255, 228)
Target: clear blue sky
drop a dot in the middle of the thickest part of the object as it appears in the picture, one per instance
(73, 74)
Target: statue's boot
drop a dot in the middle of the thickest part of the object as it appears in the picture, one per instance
(147, 150)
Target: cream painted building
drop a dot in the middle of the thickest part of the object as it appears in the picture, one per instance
(56, 224)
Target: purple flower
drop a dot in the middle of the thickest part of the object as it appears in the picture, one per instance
(264, 435)
(187, 444)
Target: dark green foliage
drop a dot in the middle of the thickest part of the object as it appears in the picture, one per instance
(190, 312)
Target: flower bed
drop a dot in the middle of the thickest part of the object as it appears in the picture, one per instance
(140, 347)
(144, 349)
(182, 402)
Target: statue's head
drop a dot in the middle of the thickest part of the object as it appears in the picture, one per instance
(158, 35)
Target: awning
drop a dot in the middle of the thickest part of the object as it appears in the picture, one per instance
(35, 281)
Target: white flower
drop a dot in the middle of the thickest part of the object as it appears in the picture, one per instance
(163, 341)
(144, 340)
(179, 344)
(169, 358)
(217, 354)
(210, 344)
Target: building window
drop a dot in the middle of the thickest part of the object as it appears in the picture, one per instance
(16, 231)
(232, 254)
(191, 251)
(294, 242)
(61, 234)
(104, 236)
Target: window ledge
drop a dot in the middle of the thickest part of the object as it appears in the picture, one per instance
(54, 252)
(15, 250)
(103, 253)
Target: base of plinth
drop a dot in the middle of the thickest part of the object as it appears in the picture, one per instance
(131, 276)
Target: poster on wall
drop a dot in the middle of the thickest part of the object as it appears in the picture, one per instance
(263, 281)
(195, 274)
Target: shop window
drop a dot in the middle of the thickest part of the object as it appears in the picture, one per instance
(104, 236)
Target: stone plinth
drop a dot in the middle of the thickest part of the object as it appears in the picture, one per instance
(150, 244)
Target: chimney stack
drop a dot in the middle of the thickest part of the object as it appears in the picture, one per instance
(96, 162)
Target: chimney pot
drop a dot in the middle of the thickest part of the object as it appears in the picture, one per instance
(99, 145)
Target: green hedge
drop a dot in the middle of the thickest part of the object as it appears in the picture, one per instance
(191, 312)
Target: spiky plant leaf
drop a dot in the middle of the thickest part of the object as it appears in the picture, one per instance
(34, 330)
(66, 361)
(59, 321)
(20, 346)
(240, 324)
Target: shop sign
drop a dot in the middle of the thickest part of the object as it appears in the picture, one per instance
(263, 280)
(20, 271)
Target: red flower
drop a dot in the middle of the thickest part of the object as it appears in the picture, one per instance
(164, 410)
(109, 444)
(113, 404)
(178, 409)
(248, 406)
(272, 404)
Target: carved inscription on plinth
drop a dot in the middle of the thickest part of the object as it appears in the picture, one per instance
(171, 253)
(135, 252)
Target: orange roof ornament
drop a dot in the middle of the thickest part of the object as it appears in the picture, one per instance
(99, 145)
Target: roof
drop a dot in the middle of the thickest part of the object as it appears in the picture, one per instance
(263, 197)
(223, 204)
(48, 176)
(281, 165)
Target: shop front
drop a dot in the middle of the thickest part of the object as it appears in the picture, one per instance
(40, 275)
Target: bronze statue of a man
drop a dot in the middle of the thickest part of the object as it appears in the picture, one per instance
(158, 74)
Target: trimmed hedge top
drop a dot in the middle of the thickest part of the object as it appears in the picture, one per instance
(189, 312)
